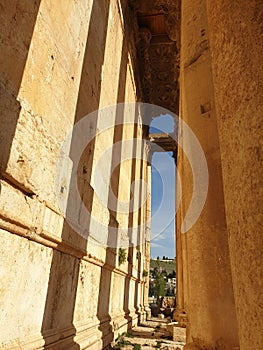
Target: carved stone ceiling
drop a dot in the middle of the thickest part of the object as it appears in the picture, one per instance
(158, 24)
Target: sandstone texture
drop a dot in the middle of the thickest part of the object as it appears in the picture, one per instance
(61, 61)
(75, 281)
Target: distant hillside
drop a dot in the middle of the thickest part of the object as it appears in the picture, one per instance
(169, 266)
(154, 130)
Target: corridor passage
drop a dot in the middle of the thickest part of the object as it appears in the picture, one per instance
(154, 333)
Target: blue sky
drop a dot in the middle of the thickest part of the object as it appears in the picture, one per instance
(163, 197)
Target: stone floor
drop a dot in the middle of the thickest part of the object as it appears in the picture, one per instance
(152, 334)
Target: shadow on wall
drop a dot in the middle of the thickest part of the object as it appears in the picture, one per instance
(127, 282)
(57, 326)
(103, 311)
(17, 26)
(139, 241)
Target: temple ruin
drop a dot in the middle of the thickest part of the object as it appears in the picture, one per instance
(80, 83)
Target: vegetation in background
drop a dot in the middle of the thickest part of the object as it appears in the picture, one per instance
(159, 344)
(168, 266)
(128, 335)
(122, 256)
(158, 290)
(160, 272)
(145, 273)
(122, 343)
(138, 255)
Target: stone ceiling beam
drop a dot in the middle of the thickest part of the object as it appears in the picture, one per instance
(162, 142)
(158, 42)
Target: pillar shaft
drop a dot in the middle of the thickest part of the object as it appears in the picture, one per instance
(147, 238)
(236, 36)
(181, 289)
(208, 292)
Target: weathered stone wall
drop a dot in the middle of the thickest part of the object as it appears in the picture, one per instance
(236, 37)
(206, 276)
(59, 62)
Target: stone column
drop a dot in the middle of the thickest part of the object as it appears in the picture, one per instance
(179, 314)
(147, 240)
(144, 289)
(236, 37)
(208, 292)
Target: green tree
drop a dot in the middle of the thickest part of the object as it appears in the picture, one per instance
(172, 275)
(159, 284)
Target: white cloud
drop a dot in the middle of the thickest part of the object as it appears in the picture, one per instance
(156, 245)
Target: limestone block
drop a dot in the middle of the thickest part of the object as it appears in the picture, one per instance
(116, 304)
(20, 208)
(48, 92)
(53, 224)
(179, 334)
(87, 296)
(60, 64)
(25, 268)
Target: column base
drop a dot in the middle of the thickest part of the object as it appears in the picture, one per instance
(181, 317)
(147, 311)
